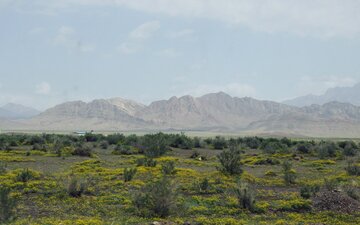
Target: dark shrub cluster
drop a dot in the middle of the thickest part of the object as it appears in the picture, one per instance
(83, 150)
(76, 187)
(245, 196)
(156, 199)
(168, 168)
(308, 191)
(7, 205)
(122, 149)
(289, 173)
(353, 168)
(149, 162)
(155, 145)
(24, 175)
(230, 161)
(129, 174)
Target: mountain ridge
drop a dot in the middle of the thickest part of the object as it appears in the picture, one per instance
(17, 111)
(211, 112)
(340, 94)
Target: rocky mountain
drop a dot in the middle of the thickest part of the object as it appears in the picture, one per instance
(340, 94)
(16, 111)
(98, 114)
(211, 111)
(128, 106)
(332, 119)
(218, 112)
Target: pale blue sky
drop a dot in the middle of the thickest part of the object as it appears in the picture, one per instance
(55, 51)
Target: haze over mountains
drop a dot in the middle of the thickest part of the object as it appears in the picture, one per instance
(16, 111)
(339, 94)
(216, 112)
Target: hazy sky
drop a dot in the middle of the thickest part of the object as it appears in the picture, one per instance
(53, 51)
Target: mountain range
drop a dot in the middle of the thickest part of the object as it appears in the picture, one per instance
(216, 112)
(16, 111)
(340, 94)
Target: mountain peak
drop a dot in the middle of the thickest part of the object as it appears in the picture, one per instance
(17, 111)
(339, 94)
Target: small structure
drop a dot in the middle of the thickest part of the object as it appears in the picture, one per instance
(82, 133)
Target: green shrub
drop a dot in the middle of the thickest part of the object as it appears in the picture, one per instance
(353, 168)
(274, 146)
(195, 154)
(353, 191)
(122, 149)
(230, 161)
(156, 199)
(36, 139)
(76, 187)
(289, 173)
(267, 161)
(308, 191)
(270, 173)
(129, 174)
(304, 148)
(24, 175)
(3, 167)
(331, 184)
(181, 141)
(245, 196)
(83, 150)
(219, 143)
(251, 142)
(326, 149)
(114, 139)
(204, 185)
(7, 205)
(295, 205)
(168, 168)
(349, 148)
(197, 142)
(149, 162)
(154, 145)
(104, 145)
(40, 147)
(57, 147)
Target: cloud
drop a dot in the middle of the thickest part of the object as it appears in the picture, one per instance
(136, 37)
(181, 33)
(145, 30)
(128, 48)
(315, 18)
(66, 37)
(318, 85)
(234, 89)
(168, 53)
(36, 31)
(43, 88)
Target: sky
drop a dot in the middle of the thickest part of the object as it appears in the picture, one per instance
(54, 51)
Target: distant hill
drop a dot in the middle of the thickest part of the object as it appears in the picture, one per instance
(211, 111)
(98, 114)
(216, 112)
(16, 111)
(340, 94)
